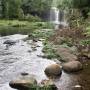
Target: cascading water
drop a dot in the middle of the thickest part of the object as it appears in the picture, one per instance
(54, 15)
(57, 17)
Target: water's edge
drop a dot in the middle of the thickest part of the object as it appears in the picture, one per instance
(23, 57)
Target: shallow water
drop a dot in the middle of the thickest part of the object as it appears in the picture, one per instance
(21, 57)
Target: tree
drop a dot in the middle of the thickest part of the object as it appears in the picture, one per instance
(83, 6)
(4, 8)
(36, 7)
(14, 8)
(11, 8)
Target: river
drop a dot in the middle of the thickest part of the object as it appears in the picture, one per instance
(23, 56)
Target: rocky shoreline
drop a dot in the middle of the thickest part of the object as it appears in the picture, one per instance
(53, 71)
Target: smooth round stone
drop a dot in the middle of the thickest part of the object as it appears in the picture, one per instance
(53, 71)
(72, 66)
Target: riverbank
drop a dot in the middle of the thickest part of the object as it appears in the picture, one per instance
(25, 59)
(52, 43)
(9, 27)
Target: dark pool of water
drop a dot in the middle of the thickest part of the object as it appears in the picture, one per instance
(9, 30)
(17, 59)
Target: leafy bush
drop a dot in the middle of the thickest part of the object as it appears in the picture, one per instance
(32, 18)
(88, 31)
(42, 33)
(21, 15)
(85, 42)
(49, 51)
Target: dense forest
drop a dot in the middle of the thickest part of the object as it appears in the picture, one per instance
(19, 8)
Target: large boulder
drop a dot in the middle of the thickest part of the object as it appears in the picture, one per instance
(27, 82)
(72, 66)
(66, 54)
(53, 71)
(23, 83)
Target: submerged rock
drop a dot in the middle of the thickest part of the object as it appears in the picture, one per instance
(24, 73)
(53, 71)
(9, 42)
(23, 83)
(72, 66)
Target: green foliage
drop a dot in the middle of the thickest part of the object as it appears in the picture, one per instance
(44, 33)
(65, 4)
(49, 50)
(21, 15)
(67, 41)
(48, 47)
(81, 3)
(36, 7)
(32, 18)
(11, 8)
(85, 42)
(74, 3)
(36, 87)
(88, 31)
(8, 27)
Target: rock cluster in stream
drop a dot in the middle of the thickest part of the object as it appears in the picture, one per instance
(53, 71)
(28, 82)
(70, 60)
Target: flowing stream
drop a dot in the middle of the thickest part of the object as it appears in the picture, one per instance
(20, 57)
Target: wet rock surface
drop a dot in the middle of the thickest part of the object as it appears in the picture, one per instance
(66, 54)
(72, 66)
(20, 60)
(28, 82)
(9, 42)
(53, 71)
(23, 82)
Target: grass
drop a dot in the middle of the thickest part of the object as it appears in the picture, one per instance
(49, 51)
(48, 47)
(8, 27)
(45, 87)
(44, 33)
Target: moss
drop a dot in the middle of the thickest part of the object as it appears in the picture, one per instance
(49, 87)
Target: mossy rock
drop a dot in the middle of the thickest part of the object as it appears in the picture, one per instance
(50, 87)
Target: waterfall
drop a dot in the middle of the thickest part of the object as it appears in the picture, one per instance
(54, 15)
(57, 17)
